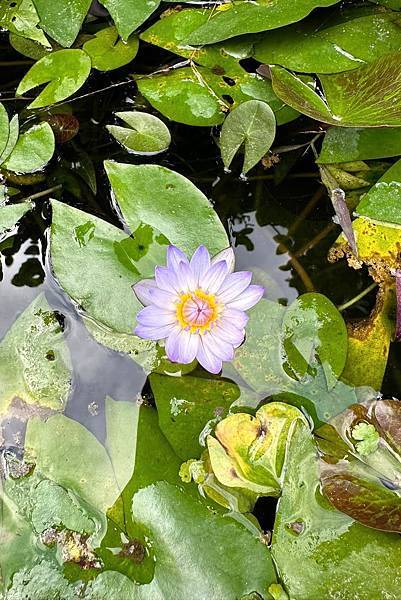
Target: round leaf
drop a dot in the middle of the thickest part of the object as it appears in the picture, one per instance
(146, 133)
(251, 124)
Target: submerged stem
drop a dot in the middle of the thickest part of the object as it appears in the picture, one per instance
(55, 188)
(357, 297)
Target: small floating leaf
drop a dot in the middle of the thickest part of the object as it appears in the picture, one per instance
(252, 125)
(107, 52)
(55, 70)
(64, 126)
(20, 17)
(32, 151)
(146, 133)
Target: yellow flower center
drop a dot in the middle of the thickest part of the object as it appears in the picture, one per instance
(197, 311)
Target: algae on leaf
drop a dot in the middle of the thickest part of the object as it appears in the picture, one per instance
(34, 360)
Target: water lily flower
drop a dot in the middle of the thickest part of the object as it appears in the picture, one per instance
(197, 306)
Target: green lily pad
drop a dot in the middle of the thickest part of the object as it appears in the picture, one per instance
(136, 187)
(107, 52)
(382, 203)
(32, 150)
(356, 98)
(128, 15)
(186, 404)
(345, 144)
(226, 21)
(20, 17)
(29, 48)
(55, 70)
(34, 360)
(332, 548)
(12, 139)
(79, 239)
(59, 444)
(251, 125)
(62, 20)
(10, 214)
(346, 45)
(313, 326)
(188, 540)
(145, 134)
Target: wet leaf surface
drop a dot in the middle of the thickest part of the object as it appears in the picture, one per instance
(107, 52)
(145, 134)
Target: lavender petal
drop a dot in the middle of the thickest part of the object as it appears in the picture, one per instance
(209, 361)
(142, 290)
(175, 256)
(214, 277)
(153, 333)
(200, 263)
(234, 285)
(162, 298)
(166, 279)
(215, 344)
(236, 317)
(154, 316)
(248, 298)
(228, 256)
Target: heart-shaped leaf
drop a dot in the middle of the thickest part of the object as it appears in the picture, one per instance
(345, 45)
(55, 70)
(107, 52)
(146, 133)
(251, 125)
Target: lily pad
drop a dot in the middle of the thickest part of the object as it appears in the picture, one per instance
(366, 97)
(204, 91)
(346, 45)
(244, 17)
(34, 360)
(79, 239)
(62, 20)
(252, 125)
(10, 214)
(136, 187)
(186, 404)
(369, 343)
(58, 445)
(20, 17)
(33, 149)
(345, 144)
(250, 452)
(185, 533)
(145, 134)
(55, 70)
(128, 15)
(261, 361)
(382, 204)
(107, 52)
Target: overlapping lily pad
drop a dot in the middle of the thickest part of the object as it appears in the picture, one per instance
(366, 97)
(244, 17)
(107, 52)
(35, 363)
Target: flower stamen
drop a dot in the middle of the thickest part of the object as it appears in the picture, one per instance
(197, 311)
